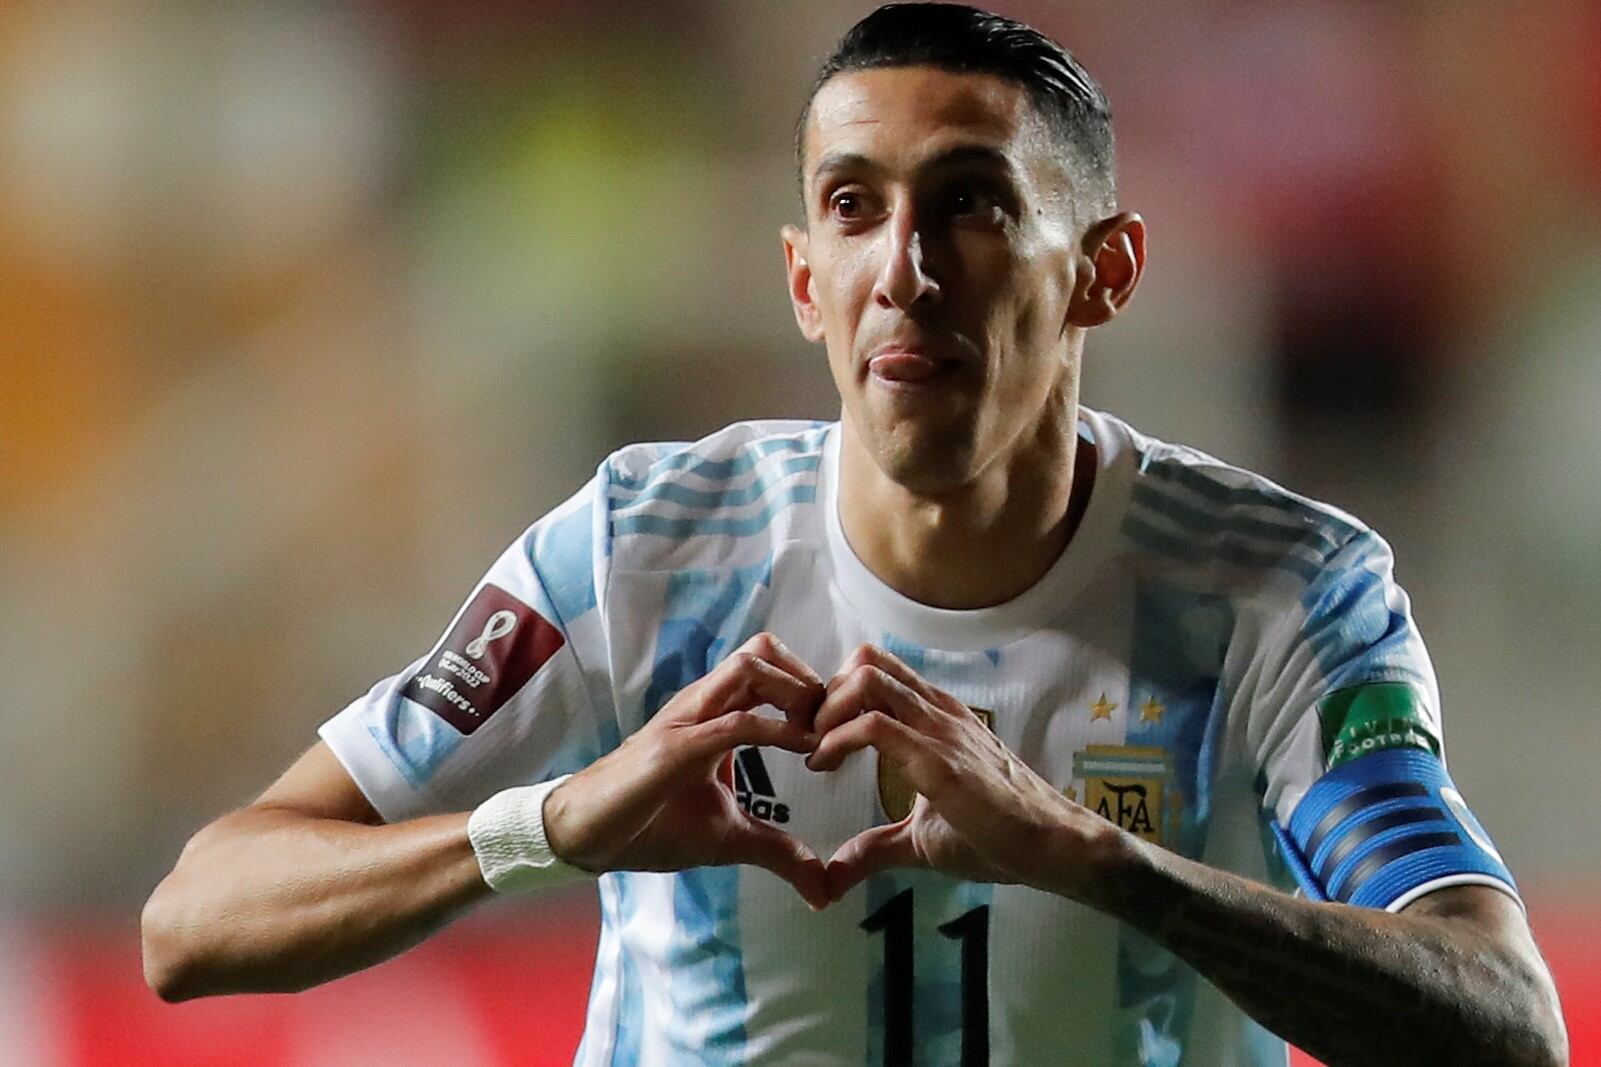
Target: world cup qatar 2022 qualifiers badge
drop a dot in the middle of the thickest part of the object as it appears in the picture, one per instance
(495, 647)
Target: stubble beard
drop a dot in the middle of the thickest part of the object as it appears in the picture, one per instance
(928, 459)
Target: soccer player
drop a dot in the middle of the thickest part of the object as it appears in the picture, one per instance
(971, 728)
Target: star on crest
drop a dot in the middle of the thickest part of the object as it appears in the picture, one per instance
(1152, 710)
(1102, 708)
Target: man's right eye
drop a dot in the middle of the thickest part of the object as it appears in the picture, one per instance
(847, 204)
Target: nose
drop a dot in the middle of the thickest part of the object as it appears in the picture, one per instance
(903, 278)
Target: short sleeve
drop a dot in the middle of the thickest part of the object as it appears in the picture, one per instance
(1345, 729)
(515, 692)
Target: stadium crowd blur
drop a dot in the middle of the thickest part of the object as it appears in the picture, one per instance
(307, 309)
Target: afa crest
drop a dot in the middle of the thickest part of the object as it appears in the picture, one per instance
(1130, 786)
(895, 794)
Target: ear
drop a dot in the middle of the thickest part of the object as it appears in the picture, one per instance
(1110, 266)
(802, 293)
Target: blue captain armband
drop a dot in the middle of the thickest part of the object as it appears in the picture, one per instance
(1384, 829)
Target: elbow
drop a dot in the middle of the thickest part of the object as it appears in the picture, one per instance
(1548, 1041)
(178, 941)
(1541, 1035)
(169, 960)
(1541, 1046)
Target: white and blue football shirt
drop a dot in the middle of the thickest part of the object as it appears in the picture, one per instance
(1220, 666)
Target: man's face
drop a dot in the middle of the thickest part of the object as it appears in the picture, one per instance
(937, 266)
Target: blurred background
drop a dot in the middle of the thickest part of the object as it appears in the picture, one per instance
(308, 309)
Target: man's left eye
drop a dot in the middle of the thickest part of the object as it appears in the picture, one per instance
(972, 204)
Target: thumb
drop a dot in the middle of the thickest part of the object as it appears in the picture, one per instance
(870, 852)
(786, 856)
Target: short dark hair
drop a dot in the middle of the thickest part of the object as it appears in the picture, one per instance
(965, 40)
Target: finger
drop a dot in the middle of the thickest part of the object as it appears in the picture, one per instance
(873, 729)
(868, 688)
(774, 651)
(898, 669)
(803, 712)
(868, 853)
(745, 681)
(768, 648)
(735, 728)
(785, 855)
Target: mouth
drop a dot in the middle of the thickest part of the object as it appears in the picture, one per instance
(903, 366)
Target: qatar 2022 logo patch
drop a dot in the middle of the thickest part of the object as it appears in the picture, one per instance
(495, 647)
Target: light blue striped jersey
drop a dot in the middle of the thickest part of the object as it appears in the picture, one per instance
(1167, 672)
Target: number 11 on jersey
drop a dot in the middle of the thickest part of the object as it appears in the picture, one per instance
(971, 928)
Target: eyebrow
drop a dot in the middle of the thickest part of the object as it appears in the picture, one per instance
(957, 155)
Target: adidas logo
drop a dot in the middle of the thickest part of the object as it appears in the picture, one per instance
(753, 788)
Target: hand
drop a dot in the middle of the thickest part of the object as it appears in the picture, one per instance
(664, 799)
(981, 813)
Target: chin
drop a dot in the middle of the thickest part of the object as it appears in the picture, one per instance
(926, 461)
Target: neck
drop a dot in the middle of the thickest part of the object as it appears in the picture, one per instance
(983, 543)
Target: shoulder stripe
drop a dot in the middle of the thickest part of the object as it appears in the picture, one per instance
(1260, 494)
(682, 527)
(1285, 532)
(691, 462)
(729, 497)
(1222, 549)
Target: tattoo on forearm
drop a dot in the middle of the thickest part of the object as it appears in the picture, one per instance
(1340, 985)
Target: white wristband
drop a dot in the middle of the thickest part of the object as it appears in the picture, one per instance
(507, 832)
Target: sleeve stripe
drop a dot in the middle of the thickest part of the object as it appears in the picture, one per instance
(1369, 828)
(1372, 830)
(1354, 803)
(1378, 859)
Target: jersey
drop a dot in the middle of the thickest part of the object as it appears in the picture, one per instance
(1218, 665)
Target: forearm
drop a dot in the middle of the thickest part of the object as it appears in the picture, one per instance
(1350, 985)
(273, 900)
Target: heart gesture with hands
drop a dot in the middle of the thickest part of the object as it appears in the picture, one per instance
(981, 813)
(664, 799)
